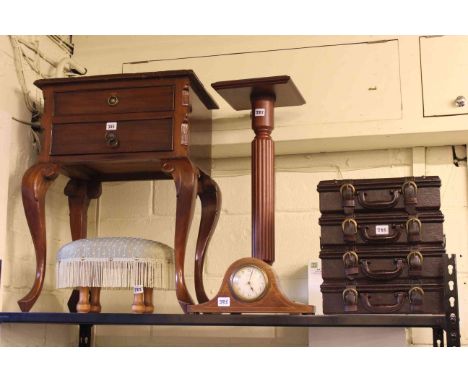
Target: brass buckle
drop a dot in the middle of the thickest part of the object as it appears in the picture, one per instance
(352, 254)
(349, 220)
(347, 185)
(414, 253)
(350, 290)
(409, 183)
(413, 220)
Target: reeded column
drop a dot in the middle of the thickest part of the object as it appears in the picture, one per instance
(263, 179)
(262, 95)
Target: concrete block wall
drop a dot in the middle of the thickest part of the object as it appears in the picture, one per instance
(17, 252)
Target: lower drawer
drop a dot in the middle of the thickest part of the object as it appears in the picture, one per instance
(125, 137)
(387, 299)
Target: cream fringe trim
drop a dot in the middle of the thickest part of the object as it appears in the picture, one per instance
(115, 273)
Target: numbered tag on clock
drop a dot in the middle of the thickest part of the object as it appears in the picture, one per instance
(224, 301)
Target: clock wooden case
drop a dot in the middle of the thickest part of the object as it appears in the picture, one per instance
(271, 300)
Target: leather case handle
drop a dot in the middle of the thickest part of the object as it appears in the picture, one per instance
(347, 192)
(350, 300)
(351, 264)
(382, 274)
(351, 297)
(383, 308)
(394, 236)
(413, 229)
(349, 227)
(379, 204)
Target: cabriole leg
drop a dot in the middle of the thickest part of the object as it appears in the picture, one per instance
(36, 182)
(185, 176)
(210, 197)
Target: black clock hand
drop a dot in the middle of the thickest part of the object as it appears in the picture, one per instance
(248, 282)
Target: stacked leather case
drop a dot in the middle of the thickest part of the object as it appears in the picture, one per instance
(382, 245)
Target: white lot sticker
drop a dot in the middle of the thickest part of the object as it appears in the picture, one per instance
(138, 289)
(382, 230)
(111, 125)
(260, 112)
(224, 301)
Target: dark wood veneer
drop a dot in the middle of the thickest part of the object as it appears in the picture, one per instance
(157, 115)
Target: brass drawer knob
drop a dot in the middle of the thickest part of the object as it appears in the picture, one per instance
(112, 140)
(112, 100)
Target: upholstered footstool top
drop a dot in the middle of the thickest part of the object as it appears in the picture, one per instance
(116, 262)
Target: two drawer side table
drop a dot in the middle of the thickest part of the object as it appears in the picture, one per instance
(125, 127)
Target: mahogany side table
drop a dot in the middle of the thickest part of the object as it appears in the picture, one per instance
(121, 128)
(261, 95)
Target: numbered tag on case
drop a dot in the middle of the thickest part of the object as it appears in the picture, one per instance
(382, 230)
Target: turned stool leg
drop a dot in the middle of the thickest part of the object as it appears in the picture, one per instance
(83, 305)
(95, 300)
(138, 303)
(148, 297)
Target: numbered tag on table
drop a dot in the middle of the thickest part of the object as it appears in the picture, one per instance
(382, 230)
(224, 301)
(110, 126)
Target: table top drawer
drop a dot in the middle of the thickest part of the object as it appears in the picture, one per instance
(114, 100)
(129, 136)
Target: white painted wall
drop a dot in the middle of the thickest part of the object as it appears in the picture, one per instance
(16, 248)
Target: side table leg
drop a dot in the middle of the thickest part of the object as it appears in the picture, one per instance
(35, 184)
(185, 176)
(79, 193)
(210, 197)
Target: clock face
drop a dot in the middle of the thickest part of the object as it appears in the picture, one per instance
(249, 283)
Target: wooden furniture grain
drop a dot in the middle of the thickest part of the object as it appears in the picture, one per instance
(125, 127)
(262, 95)
(273, 299)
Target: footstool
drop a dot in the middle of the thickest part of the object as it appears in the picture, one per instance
(115, 262)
